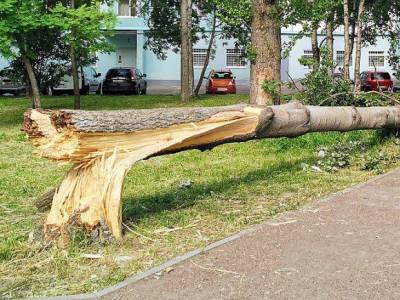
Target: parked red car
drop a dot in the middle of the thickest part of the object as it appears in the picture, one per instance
(376, 81)
(221, 81)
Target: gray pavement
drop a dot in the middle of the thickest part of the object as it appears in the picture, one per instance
(344, 247)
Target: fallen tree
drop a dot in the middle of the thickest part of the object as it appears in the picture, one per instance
(103, 145)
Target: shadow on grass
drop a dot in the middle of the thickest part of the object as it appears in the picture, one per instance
(136, 208)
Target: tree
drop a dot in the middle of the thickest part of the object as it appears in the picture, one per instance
(21, 22)
(359, 42)
(50, 62)
(208, 55)
(86, 29)
(266, 46)
(90, 194)
(164, 22)
(186, 50)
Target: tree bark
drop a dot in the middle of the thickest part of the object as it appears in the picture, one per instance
(186, 45)
(315, 46)
(266, 42)
(36, 102)
(347, 46)
(208, 54)
(357, 65)
(104, 145)
(329, 43)
(75, 75)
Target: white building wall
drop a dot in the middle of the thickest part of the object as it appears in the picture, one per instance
(298, 71)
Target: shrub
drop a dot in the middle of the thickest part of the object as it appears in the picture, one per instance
(338, 156)
(319, 85)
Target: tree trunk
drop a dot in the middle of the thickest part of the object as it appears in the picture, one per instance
(75, 78)
(36, 103)
(75, 75)
(347, 46)
(191, 52)
(357, 66)
(329, 43)
(266, 42)
(315, 46)
(207, 60)
(104, 145)
(186, 45)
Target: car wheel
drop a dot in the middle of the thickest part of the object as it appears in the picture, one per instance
(144, 91)
(137, 90)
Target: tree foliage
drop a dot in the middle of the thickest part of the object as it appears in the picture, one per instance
(85, 28)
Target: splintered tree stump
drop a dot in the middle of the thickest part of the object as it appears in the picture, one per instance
(103, 145)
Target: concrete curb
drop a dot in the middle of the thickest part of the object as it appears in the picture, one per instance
(179, 259)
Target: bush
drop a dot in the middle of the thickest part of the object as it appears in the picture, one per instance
(338, 156)
(320, 86)
(322, 89)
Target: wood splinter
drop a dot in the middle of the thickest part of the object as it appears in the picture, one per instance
(104, 145)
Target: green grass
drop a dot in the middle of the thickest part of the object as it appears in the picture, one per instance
(234, 187)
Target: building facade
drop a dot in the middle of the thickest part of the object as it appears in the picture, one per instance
(129, 40)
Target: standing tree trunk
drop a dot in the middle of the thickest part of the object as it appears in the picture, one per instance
(36, 103)
(315, 46)
(186, 53)
(104, 146)
(347, 46)
(75, 78)
(266, 42)
(208, 54)
(75, 75)
(329, 43)
(191, 49)
(357, 66)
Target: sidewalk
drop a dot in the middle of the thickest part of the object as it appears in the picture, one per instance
(343, 247)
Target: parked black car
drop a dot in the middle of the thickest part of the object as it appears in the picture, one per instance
(124, 80)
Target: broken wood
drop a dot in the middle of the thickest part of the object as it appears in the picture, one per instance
(103, 145)
(43, 202)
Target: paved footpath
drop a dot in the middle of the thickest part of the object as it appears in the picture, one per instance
(343, 247)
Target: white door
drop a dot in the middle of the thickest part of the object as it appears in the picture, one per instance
(126, 57)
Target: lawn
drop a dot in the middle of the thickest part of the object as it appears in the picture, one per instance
(233, 187)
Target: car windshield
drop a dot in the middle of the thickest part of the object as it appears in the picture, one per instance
(222, 75)
(380, 76)
(119, 73)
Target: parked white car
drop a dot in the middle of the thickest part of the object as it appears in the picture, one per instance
(90, 82)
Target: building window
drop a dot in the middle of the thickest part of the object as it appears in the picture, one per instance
(376, 59)
(199, 57)
(127, 8)
(235, 58)
(340, 59)
(308, 54)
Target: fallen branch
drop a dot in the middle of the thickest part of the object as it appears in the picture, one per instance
(169, 230)
(105, 145)
(394, 100)
(137, 233)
